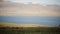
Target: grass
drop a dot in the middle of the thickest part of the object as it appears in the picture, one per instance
(29, 30)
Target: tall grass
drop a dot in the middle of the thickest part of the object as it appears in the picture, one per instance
(29, 30)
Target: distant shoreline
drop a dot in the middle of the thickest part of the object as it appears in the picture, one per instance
(5, 24)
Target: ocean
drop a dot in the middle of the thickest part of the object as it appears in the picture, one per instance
(42, 20)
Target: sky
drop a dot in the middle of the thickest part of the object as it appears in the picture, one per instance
(38, 1)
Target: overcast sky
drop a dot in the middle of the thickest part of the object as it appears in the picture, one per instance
(39, 1)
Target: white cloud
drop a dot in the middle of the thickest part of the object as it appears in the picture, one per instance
(26, 3)
(34, 2)
(43, 4)
(38, 1)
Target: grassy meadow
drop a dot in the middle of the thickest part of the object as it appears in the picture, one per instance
(29, 30)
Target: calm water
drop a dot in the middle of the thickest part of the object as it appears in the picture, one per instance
(43, 20)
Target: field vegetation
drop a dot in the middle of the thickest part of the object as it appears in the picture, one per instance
(29, 30)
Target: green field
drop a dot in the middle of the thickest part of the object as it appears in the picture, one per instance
(29, 30)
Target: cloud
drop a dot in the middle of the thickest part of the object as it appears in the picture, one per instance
(22, 9)
(34, 2)
(38, 1)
